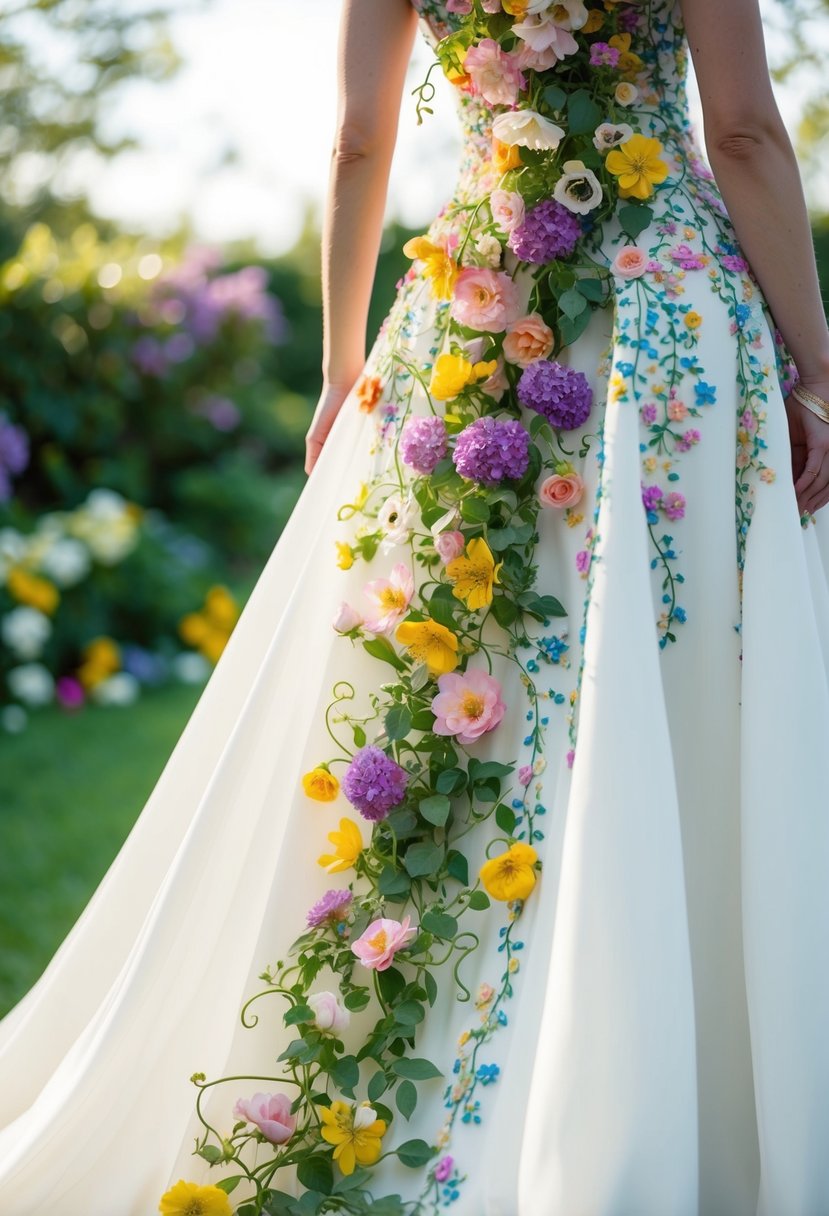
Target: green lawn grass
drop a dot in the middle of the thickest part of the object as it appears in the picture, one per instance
(71, 787)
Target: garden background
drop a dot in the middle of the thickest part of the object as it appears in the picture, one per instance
(162, 173)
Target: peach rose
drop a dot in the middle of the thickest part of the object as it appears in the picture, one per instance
(677, 411)
(527, 339)
(558, 491)
(629, 262)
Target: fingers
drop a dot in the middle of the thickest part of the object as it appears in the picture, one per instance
(806, 482)
(816, 489)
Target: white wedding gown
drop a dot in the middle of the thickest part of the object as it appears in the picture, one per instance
(665, 1051)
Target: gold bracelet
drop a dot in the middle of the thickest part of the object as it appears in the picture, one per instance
(811, 401)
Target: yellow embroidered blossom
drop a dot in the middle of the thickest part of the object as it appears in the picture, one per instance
(504, 156)
(430, 643)
(320, 785)
(355, 1131)
(345, 555)
(629, 63)
(348, 845)
(441, 269)
(191, 1199)
(638, 166)
(33, 590)
(511, 875)
(693, 320)
(474, 574)
(573, 520)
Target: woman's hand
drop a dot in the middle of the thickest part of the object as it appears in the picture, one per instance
(328, 406)
(810, 454)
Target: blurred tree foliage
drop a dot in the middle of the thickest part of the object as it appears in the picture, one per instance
(802, 27)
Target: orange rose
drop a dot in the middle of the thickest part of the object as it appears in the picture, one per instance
(527, 339)
(558, 491)
(504, 156)
(368, 389)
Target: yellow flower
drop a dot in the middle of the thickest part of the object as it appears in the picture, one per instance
(450, 374)
(430, 643)
(190, 1199)
(474, 574)
(693, 320)
(484, 369)
(594, 22)
(354, 1131)
(504, 156)
(348, 845)
(32, 590)
(221, 608)
(320, 785)
(638, 166)
(629, 63)
(515, 8)
(101, 657)
(194, 628)
(511, 875)
(345, 556)
(213, 643)
(438, 266)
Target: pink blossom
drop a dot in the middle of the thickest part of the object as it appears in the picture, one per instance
(687, 259)
(541, 32)
(346, 618)
(271, 1113)
(467, 705)
(485, 299)
(527, 339)
(525, 774)
(583, 561)
(329, 1013)
(571, 755)
(376, 947)
(629, 262)
(733, 262)
(496, 384)
(391, 596)
(495, 74)
(536, 61)
(443, 1168)
(69, 692)
(688, 440)
(648, 413)
(677, 411)
(449, 545)
(463, 7)
(673, 504)
(508, 209)
(558, 491)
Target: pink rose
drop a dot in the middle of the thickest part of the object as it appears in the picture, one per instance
(508, 209)
(329, 1014)
(485, 299)
(271, 1113)
(346, 618)
(558, 491)
(629, 262)
(467, 705)
(677, 411)
(376, 947)
(529, 338)
(449, 545)
(495, 74)
(525, 774)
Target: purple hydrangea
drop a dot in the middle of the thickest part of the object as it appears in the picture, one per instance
(548, 231)
(602, 54)
(331, 907)
(561, 394)
(374, 783)
(423, 443)
(490, 449)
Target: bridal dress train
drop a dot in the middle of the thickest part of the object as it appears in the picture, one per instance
(643, 1027)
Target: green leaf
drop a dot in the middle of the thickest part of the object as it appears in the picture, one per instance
(443, 605)
(499, 539)
(406, 1098)
(424, 719)
(540, 426)
(505, 818)
(398, 722)
(583, 115)
(357, 1000)
(377, 1086)
(229, 1185)
(391, 983)
(409, 1013)
(423, 858)
(393, 882)
(415, 1153)
(435, 809)
(478, 901)
(591, 289)
(554, 97)
(416, 1068)
(458, 867)
(483, 770)
(572, 303)
(346, 1073)
(504, 610)
(431, 986)
(402, 821)
(572, 330)
(451, 781)
(381, 648)
(634, 219)
(299, 1013)
(542, 605)
(316, 1173)
(475, 510)
(210, 1153)
(440, 923)
(359, 734)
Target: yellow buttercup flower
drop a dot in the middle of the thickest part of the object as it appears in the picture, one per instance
(441, 269)
(430, 643)
(510, 875)
(594, 22)
(629, 63)
(33, 590)
(355, 1131)
(474, 574)
(348, 845)
(450, 374)
(190, 1199)
(320, 785)
(484, 368)
(345, 556)
(221, 608)
(693, 320)
(638, 166)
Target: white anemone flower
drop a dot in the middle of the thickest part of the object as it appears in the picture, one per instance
(527, 128)
(574, 15)
(544, 33)
(578, 189)
(610, 134)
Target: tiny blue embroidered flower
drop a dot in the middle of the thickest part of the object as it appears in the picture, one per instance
(706, 393)
(487, 1073)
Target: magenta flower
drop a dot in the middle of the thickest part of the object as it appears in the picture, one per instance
(271, 1113)
(673, 505)
(467, 705)
(525, 774)
(377, 946)
(444, 1168)
(329, 909)
(602, 54)
(374, 783)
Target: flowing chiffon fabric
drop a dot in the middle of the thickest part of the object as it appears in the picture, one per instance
(666, 1051)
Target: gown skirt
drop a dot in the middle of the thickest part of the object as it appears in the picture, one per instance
(664, 1050)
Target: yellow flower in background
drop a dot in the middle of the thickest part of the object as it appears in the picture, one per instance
(209, 629)
(191, 1199)
(474, 574)
(345, 556)
(100, 658)
(638, 166)
(594, 22)
(693, 320)
(320, 785)
(450, 374)
(348, 845)
(629, 63)
(504, 156)
(510, 875)
(33, 590)
(355, 1131)
(221, 608)
(430, 643)
(438, 266)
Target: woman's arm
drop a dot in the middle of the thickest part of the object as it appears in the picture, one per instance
(757, 173)
(375, 44)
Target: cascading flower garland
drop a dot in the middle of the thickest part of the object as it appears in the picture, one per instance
(459, 494)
